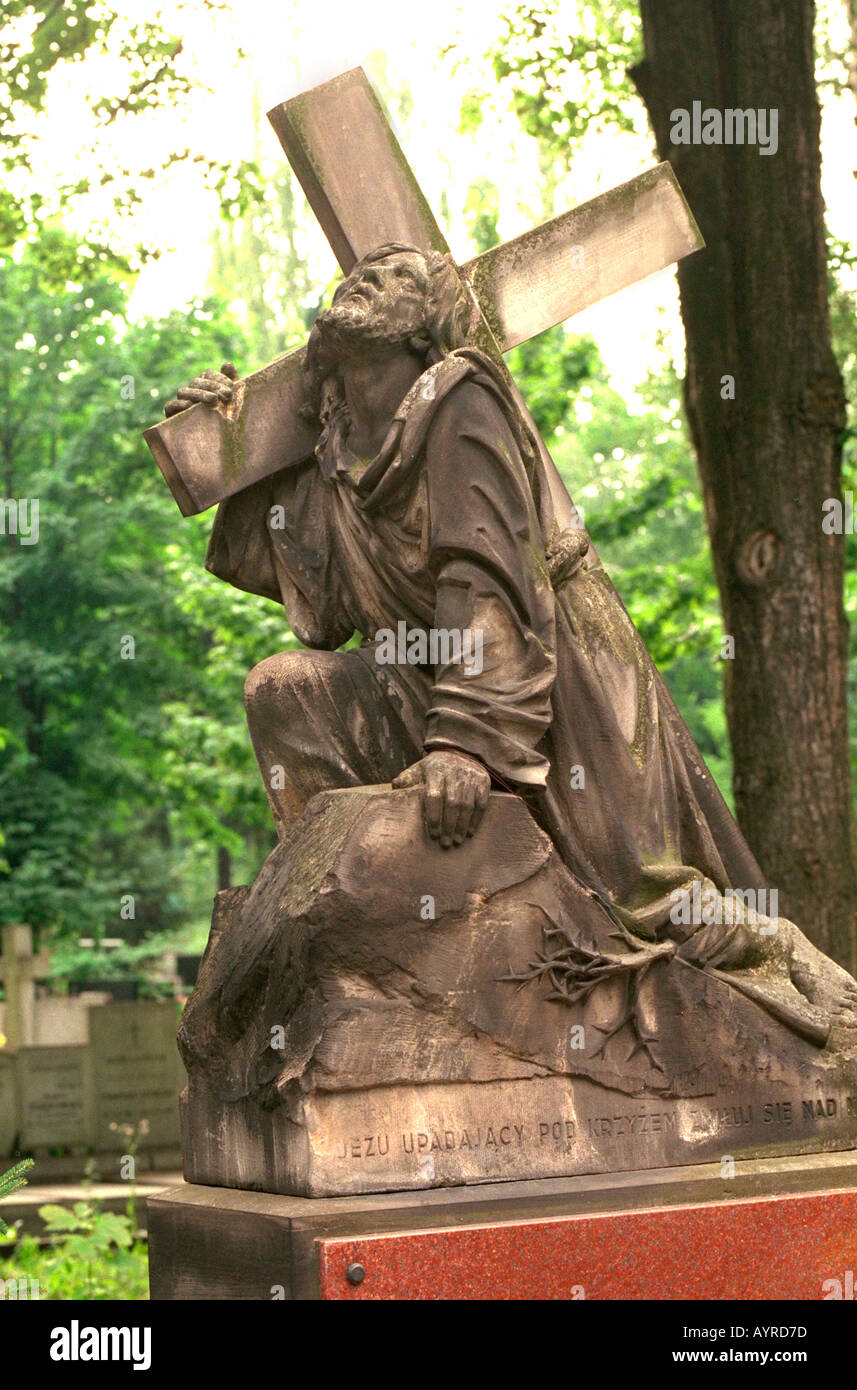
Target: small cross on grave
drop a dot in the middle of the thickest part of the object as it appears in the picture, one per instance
(20, 967)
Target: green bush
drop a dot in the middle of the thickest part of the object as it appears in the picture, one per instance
(92, 1255)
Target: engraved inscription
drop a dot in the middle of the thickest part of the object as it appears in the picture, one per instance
(722, 1117)
(622, 1126)
(820, 1109)
(494, 1136)
(562, 1134)
(778, 1112)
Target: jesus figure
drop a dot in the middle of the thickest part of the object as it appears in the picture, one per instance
(428, 504)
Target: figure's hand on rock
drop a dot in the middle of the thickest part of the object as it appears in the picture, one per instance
(209, 388)
(455, 793)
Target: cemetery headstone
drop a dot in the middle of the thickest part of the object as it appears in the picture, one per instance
(137, 1073)
(55, 1097)
(8, 1104)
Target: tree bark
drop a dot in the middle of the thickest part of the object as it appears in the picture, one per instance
(755, 308)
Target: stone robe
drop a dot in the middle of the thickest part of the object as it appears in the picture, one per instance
(460, 522)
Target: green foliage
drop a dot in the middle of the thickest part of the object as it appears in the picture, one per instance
(41, 43)
(549, 370)
(93, 1255)
(11, 1181)
(482, 214)
(260, 264)
(836, 66)
(118, 776)
(564, 66)
(69, 961)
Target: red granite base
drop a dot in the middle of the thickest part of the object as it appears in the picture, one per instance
(791, 1247)
(782, 1228)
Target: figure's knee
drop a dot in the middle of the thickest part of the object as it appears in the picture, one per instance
(265, 679)
(289, 678)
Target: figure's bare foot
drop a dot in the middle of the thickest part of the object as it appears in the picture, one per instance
(822, 981)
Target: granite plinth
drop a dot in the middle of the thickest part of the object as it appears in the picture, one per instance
(771, 1248)
(778, 1228)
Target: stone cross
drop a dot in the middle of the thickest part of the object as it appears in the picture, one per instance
(20, 967)
(361, 188)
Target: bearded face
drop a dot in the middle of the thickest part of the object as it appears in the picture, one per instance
(381, 303)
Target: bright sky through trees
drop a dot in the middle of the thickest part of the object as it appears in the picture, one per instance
(289, 46)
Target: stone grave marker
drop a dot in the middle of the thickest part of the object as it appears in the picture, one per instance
(20, 967)
(137, 1073)
(55, 1102)
(8, 1104)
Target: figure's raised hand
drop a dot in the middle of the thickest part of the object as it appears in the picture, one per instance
(455, 793)
(210, 387)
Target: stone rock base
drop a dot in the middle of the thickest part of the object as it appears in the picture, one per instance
(371, 1014)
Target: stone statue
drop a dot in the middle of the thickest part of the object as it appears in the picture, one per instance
(510, 928)
(424, 506)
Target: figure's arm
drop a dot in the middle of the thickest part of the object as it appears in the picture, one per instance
(491, 708)
(270, 538)
(238, 548)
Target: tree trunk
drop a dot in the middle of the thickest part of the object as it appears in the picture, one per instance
(224, 869)
(755, 309)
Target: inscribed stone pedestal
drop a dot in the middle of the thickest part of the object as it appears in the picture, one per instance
(411, 1053)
